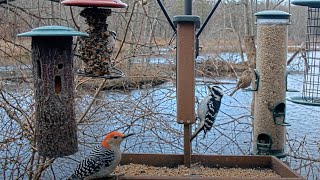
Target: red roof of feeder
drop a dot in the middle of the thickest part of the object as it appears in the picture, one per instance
(95, 3)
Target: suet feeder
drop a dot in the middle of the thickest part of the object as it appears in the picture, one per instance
(96, 50)
(55, 125)
(269, 114)
(311, 81)
(186, 27)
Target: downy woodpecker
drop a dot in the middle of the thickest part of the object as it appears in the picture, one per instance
(208, 110)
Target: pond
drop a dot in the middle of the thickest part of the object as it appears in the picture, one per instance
(151, 114)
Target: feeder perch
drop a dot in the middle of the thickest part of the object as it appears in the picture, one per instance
(289, 90)
(96, 50)
(264, 144)
(269, 109)
(311, 81)
(279, 114)
(55, 126)
(255, 84)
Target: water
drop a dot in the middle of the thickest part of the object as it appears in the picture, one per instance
(151, 114)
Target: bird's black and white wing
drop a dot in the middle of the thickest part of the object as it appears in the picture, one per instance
(208, 110)
(98, 159)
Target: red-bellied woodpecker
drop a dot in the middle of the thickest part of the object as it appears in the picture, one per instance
(103, 159)
(208, 110)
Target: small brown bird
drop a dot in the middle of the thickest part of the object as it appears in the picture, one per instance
(244, 81)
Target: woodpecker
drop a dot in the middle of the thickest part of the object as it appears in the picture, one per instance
(244, 81)
(208, 110)
(111, 41)
(102, 160)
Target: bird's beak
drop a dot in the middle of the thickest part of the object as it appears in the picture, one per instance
(127, 135)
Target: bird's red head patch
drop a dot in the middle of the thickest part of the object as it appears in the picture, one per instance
(109, 136)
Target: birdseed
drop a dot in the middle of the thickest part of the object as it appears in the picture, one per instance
(96, 50)
(195, 171)
(271, 65)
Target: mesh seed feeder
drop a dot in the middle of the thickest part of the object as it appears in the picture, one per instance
(96, 50)
(269, 115)
(55, 126)
(311, 81)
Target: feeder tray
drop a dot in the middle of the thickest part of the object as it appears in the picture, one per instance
(95, 3)
(212, 161)
(114, 74)
(309, 3)
(303, 101)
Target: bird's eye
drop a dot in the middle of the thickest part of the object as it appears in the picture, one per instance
(115, 137)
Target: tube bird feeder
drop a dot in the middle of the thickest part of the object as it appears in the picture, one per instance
(55, 126)
(311, 81)
(96, 50)
(186, 27)
(269, 114)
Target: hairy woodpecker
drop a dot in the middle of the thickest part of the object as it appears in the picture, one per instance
(208, 110)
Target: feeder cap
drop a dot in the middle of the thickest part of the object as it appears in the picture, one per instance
(52, 31)
(95, 3)
(272, 17)
(186, 18)
(309, 3)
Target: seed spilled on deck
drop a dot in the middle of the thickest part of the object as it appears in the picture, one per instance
(195, 171)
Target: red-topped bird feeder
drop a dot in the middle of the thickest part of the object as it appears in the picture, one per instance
(95, 3)
(96, 50)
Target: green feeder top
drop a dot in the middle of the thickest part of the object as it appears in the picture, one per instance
(186, 18)
(272, 17)
(52, 31)
(309, 3)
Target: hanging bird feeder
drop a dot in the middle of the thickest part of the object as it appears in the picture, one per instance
(269, 114)
(311, 81)
(96, 50)
(55, 126)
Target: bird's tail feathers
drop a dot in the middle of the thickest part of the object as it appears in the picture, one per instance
(234, 91)
(74, 177)
(197, 131)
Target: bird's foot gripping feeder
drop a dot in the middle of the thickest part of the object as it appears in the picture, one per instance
(96, 50)
(55, 126)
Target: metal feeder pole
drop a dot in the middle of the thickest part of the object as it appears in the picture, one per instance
(188, 7)
(269, 111)
(186, 26)
(55, 125)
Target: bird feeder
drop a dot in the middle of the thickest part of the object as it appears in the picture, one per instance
(269, 114)
(186, 27)
(96, 50)
(55, 125)
(311, 81)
